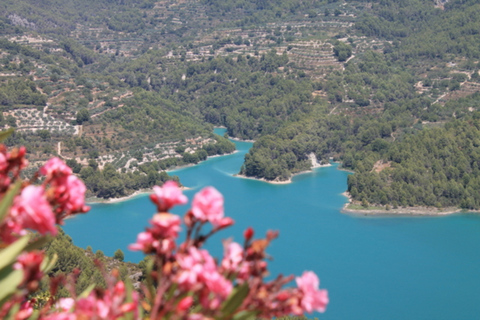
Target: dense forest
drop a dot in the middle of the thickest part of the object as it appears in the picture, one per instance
(437, 167)
(124, 90)
(386, 129)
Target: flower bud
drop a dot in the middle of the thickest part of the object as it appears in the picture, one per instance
(185, 304)
(248, 233)
(128, 307)
(282, 296)
(272, 235)
(224, 222)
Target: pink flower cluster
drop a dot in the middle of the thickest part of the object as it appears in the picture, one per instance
(108, 304)
(160, 238)
(39, 207)
(31, 210)
(11, 164)
(36, 208)
(183, 281)
(198, 272)
(195, 273)
(208, 206)
(311, 298)
(167, 196)
(29, 263)
(67, 192)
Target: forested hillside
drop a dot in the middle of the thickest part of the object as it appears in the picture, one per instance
(389, 102)
(126, 89)
(86, 262)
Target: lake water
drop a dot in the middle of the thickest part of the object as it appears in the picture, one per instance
(373, 267)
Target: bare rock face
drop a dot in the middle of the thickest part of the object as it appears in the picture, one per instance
(135, 279)
(19, 21)
(313, 159)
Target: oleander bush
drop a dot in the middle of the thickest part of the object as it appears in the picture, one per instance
(183, 281)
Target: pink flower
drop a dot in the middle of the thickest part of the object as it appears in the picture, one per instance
(193, 265)
(208, 206)
(55, 167)
(60, 316)
(87, 307)
(145, 242)
(313, 298)
(75, 189)
(165, 225)
(110, 304)
(165, 246)
(3, 162)
(198, 269)
(160, 237)
(26, 310)
(216, 283)
(224, 222)
(184, 304)
(233, 256)
(30, 263)
(65, 304)
(31, 210)
(168, 196)
(69, 193)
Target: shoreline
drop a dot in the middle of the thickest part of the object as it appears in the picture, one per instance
(240, 140)
(95, 200)
(194, 164)
(232, 138)
(262, 179)
(284, 181)
(398, 212)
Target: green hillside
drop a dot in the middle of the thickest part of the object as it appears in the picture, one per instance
(134, 87)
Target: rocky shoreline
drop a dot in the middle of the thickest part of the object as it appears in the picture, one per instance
(283, 181)
(353, 208)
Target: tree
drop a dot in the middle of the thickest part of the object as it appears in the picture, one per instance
(82, 116)
(11, 121)
(118, 255)
(44, 134)
(342, 51)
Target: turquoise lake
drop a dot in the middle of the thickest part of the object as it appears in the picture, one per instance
(372, 267)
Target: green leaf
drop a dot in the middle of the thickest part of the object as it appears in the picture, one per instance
(129, 289)
(5, 272)
(129, 298)
(245, 315)
(48, 263)
(87, 291)
(171, 292)
(196, 308)
(149, 279)
(38, 243)
(235, 300)
(5, 134)
(35, 315)
(7, 201)
(10, 253)
(13, 311)
(9, 284)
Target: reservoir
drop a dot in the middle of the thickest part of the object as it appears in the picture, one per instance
(372, 267)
